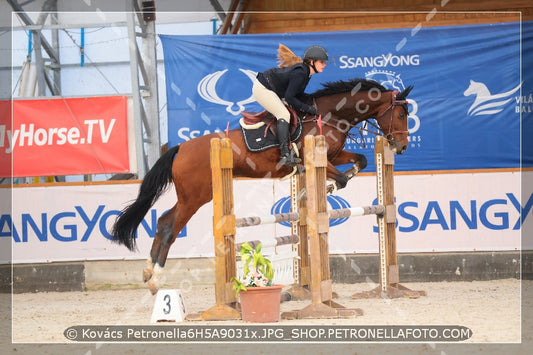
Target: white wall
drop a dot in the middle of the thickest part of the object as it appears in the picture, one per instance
(468, 212)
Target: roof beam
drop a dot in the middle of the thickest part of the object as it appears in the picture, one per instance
(27, 20)
(219, 9)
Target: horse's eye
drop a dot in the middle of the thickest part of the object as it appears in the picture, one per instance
(402, 115)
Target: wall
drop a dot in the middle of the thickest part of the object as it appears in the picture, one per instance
(180, 273)
(343, 15)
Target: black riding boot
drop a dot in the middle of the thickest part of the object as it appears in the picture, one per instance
(287, 157)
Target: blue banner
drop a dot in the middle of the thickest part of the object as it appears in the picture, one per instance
(465, 108)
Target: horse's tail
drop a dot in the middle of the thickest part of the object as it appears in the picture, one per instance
(153, 185)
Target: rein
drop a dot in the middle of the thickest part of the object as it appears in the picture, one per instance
(378, 131)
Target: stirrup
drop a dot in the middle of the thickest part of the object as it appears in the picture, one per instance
(290, 159)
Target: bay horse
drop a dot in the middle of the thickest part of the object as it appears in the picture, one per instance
(342, 105)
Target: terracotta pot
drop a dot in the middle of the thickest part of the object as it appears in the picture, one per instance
(261, 304)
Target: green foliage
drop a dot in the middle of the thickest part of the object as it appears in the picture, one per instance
(261, 268)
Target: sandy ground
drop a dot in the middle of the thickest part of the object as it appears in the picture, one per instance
(491, 309)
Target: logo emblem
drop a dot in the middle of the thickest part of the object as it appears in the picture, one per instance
(207, 90)
(388, 79)
(485, 103)
(283, 205)
(392, 81)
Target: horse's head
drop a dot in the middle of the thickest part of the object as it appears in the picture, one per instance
(392, 119)
(344, 104)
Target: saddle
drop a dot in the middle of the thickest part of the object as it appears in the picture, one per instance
(254, 120)
(259, 129)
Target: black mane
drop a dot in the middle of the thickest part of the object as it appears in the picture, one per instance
(342, 86)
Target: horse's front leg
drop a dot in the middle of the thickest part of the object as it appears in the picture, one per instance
(345, 157)
(341, 178)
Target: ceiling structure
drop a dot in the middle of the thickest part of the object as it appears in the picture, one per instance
(140, 17)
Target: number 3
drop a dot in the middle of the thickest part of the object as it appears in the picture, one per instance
(167, 309)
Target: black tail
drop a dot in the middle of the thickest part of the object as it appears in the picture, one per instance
(153, 185)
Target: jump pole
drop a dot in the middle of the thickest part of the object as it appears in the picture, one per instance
(389, 286)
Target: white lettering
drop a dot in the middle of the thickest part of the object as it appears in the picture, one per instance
(51, 135)
(73, 135)
(186, 134)
(12, 141)
(24, 134)
(40, 137)
(379, 61)
(182, 133)
(90, 124)
(105, 134)
(62, 137)
(413, 116)
(28, 135)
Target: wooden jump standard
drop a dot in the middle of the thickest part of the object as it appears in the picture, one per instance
(389, 276)
(317, 225)
(313, 220)
(386, 217)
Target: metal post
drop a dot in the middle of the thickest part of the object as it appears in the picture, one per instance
(136, 96)
(145, 97)
(150, 93)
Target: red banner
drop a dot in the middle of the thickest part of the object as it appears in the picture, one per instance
(5, 128)
(66, 136)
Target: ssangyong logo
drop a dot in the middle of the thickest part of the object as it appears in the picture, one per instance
(379, 61)
(207, 90)
(283, 205)
(486, 103)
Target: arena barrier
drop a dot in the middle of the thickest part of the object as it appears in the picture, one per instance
(312, 217)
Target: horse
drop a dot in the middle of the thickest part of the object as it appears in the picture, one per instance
(341, 105)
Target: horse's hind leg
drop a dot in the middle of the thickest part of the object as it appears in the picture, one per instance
(168, 232)
(164, 227)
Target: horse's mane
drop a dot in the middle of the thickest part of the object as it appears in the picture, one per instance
(342, 86)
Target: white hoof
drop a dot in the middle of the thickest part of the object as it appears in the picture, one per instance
(154, 286)
(148, 271)
(147, 274)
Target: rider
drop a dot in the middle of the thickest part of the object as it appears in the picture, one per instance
(288, 83)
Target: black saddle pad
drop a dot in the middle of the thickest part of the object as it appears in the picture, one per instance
(256, 141)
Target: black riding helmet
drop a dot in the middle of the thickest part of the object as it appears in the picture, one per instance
(316, 53)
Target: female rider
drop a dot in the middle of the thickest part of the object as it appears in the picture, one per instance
(288, 83)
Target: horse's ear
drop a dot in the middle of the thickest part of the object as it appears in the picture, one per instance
(403, 94)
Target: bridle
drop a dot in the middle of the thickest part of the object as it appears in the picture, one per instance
(394, 102)
(378, 130)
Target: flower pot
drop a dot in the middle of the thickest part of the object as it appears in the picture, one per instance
(261, 304)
